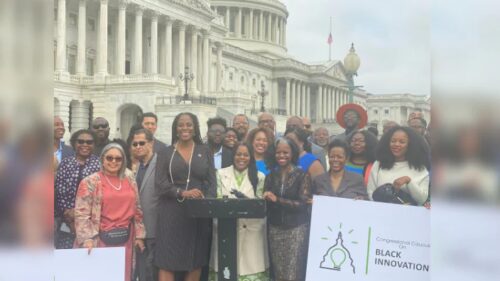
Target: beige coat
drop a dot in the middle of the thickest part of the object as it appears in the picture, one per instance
(252, 239)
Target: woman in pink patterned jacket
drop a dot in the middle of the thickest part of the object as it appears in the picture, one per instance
(107, 209)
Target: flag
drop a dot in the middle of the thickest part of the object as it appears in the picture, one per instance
(330, 39)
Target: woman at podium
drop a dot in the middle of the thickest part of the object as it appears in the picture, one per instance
(287, 189)
(243, 180)
(184, 170)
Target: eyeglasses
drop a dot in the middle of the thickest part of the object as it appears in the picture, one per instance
(139, 143)
(115, 159)
(307, 126)
(101, 126)
(87, 142)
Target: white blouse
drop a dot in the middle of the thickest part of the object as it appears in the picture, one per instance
(418, 187)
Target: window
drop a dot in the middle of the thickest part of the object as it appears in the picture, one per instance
(253, 82)
(72, 64)
(231, 76)
(73, 19)
(386, 112)
(91, 24)
(242, 79)
(375, 111)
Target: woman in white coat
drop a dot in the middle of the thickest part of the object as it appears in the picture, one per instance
(253, 261)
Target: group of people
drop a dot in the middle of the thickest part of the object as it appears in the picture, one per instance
(131, 193)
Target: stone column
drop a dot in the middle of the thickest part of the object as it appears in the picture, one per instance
(138, 41)
(206, 63)
(61, 37)
(319, 102)
(102, 58)
(168, 47)
(292, 98)
(274, 26)
(228, 18)
(269, 28)
(261, 26)
(194, 57)
(336, 94)
(154, 43)
(288, 100)
(121, 38)
(218, 76)
(237, 25)
(298, 103)
(182, 50)
(284, 33)
(308, 101)
(325, 102)
(250, 25)
(82, 27)
(303, 91)
(330, 103)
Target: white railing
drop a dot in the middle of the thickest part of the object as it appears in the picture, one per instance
(117, 79)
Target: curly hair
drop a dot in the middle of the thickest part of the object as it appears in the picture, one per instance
(217, 120)
(196, 124)
(417, 153)
(302, 136)
(342, 144)
(253, 133)
(75, 135)
(252, 167)
(370, 144)
(270, 160)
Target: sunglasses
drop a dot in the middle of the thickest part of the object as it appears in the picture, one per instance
(111, 159)
(87, 142)
(101, 126)
(139, 143)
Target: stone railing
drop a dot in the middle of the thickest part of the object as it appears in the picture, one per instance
(191, 100)
(242, 53)
(115, 79)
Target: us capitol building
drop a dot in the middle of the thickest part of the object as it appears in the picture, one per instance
(119, 58)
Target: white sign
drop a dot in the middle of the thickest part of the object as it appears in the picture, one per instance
(364, 240)
(103, 264)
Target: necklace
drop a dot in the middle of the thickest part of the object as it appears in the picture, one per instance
(114, 186)
(189, 169)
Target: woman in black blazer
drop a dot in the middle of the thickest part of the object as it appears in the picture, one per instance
(338, 182)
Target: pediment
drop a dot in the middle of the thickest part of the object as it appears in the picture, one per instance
(336, 70)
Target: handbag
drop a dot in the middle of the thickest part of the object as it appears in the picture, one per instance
(115, 236)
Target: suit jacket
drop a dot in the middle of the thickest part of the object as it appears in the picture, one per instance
(351, 186)
(227, 157)
(320, 153)
(159, 146)
(149, 199)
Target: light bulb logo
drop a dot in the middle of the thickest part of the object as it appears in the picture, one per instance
(336, 256)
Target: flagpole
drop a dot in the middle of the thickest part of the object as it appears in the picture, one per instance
(330, 45)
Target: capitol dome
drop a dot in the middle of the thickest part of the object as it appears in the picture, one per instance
(255, 25)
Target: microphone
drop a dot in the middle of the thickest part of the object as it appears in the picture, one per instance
(238, 194)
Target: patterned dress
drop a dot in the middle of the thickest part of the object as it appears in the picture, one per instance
(68, 177)
(288, 223)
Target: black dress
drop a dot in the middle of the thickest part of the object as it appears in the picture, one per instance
(182, 243)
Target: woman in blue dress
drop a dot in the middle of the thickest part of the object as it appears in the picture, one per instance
(307, 161)
(260, 140)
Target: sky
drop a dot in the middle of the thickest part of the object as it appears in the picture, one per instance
(391, 37)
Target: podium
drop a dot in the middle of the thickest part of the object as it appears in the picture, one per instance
(227, 211)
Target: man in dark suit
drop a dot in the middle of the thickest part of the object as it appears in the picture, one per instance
(61, 150)
(142, 150)
(149, 122)
(223, 156)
